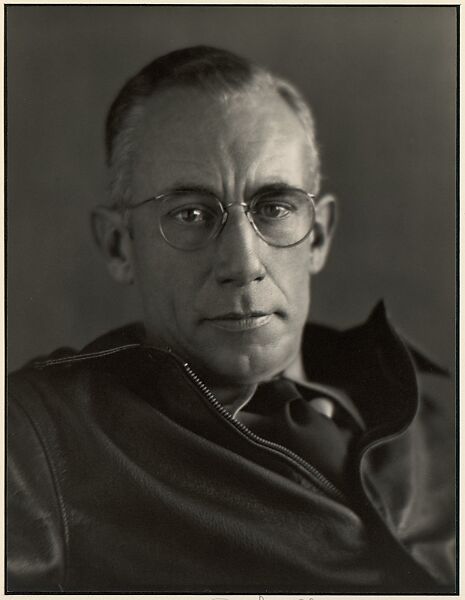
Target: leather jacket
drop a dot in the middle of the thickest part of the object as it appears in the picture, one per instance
(126, 474)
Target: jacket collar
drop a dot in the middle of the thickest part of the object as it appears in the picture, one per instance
(370, 362)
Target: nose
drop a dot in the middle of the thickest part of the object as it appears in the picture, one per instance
(237, 260)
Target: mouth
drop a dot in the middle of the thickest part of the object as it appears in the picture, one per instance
(241, 321)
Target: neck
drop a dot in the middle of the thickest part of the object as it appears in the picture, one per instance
(233, 396)
(296, 369)
(238, 395)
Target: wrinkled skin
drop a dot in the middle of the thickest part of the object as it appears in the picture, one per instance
(232, 147)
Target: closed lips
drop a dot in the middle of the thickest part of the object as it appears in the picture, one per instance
(241, 321)
(239, 316)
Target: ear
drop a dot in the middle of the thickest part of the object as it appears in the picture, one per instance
(113, 238)
(323, 230)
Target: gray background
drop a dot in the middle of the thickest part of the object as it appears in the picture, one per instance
(381, 81)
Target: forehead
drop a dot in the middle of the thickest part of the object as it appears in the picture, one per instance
(199, 135)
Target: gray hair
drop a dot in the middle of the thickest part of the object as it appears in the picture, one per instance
(201, 67)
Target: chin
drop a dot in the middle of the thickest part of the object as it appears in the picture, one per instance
(246, 369)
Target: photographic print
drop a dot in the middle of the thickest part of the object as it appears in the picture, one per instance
(231, 299)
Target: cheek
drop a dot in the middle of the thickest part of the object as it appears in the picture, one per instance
(294, 280)
(167, 281)
(300, 302)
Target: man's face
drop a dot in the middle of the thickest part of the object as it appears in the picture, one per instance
(236, 308)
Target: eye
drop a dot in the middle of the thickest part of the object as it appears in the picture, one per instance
(273, 209)
(192, 215)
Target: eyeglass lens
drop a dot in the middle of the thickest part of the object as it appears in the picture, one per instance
(190, 219)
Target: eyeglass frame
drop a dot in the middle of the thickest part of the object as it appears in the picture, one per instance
(224, 214)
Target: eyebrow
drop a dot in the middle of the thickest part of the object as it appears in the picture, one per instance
(277, 186)
(272, 186)
(188, 187)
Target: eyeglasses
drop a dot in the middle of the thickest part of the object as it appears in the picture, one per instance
(191, 219)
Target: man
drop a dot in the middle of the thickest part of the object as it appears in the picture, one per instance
(223, 445)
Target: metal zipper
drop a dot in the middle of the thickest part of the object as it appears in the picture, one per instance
(324, 483)
(321, 479)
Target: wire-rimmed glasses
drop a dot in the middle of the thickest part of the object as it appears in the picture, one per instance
(191, 218)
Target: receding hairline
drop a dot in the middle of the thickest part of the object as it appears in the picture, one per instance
(209, 70)
(182, 123)
(198, 103)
